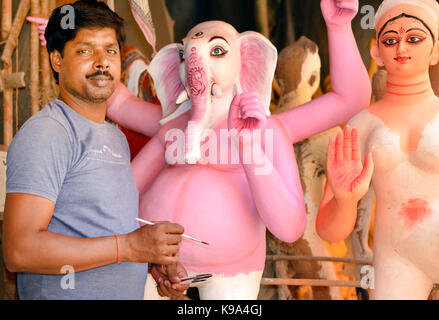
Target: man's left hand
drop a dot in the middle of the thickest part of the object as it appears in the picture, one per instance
(168, 279)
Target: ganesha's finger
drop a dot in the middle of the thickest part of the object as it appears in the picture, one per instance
(42, 32)
(347, 4)
(339, 147)
(254, 124)
(347, 147)
(252, 101)
(255, 121)
(250, 95)
(356, 151)
(252, 111)
(234, 111)
(37, 20)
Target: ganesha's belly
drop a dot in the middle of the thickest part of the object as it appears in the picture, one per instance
(215, 207)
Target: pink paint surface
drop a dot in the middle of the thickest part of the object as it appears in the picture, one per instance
(231, 207)
(415, 211)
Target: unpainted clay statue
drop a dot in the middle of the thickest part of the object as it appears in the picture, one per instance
(298, 74)
(399, 132)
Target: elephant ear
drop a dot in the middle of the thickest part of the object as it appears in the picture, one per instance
(164, 70)
(258, 65)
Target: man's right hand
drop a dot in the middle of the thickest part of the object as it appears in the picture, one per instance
(157, 244)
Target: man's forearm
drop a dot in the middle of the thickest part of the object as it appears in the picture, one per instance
(46, 253)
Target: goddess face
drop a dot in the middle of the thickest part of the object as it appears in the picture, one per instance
(407, 37)
(406, 47)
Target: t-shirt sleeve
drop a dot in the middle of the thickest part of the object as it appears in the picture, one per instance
(38, 159)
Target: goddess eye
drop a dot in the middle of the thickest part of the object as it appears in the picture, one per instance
(218, 52)
(414, 39)
(390, 42)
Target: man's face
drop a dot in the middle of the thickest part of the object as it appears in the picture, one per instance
(91, 66)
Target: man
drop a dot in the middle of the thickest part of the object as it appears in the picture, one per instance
(71, 200)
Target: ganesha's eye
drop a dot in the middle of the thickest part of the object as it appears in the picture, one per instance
(218, 52)
(181, 53)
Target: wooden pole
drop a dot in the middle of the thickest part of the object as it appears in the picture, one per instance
(6, 22)
(12, 37)
(310, 282)
(8, 279)
(8, 94)
(52, 5)
(46, 92)
(261, 13)
(12, 81)
(310, 258)
(34, 59)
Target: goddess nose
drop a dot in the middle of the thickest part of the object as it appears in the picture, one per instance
(402, 47)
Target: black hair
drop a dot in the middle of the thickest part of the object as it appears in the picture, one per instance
(404, 15)
(87, 14)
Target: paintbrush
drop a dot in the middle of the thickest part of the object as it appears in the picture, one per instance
(196, 279)
(184, 235)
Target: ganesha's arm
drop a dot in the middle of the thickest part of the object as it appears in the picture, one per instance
(276, 187)
(133, 113)
(351, 90)
(148, 163)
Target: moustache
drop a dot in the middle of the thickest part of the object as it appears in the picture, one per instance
(100, 73)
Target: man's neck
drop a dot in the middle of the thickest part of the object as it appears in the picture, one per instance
(95, 112)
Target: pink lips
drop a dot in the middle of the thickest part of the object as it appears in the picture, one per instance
(402, 59)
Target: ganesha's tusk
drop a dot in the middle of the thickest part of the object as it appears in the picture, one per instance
(182, 97)
(217, 92)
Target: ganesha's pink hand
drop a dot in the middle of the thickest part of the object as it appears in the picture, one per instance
(247, 112)
(339, 12)
(347, 177)
(42, 25)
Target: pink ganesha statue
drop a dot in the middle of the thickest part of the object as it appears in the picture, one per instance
(218, 163)
(226, 188)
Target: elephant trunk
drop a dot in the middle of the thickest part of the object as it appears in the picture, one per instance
(199, 89)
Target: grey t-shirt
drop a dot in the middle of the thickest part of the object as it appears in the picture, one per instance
(84, 168)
